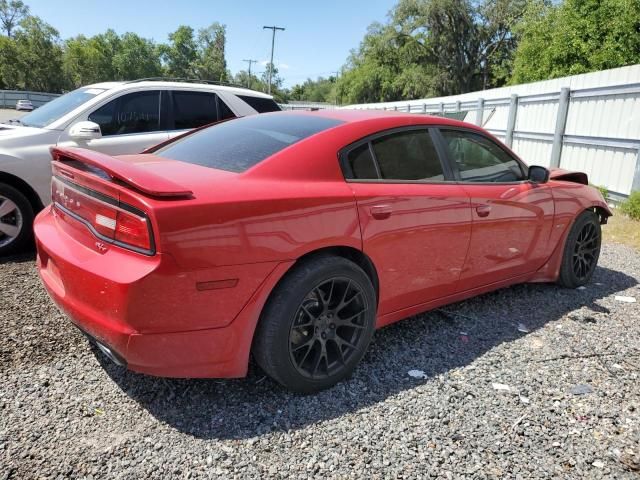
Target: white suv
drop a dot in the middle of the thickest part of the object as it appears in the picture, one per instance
(116, 118)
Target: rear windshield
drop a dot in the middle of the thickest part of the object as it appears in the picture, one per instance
(259, 104)
(237, 145)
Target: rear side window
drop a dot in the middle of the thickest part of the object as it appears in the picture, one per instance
(361, 162)
(409, 155)
(260, 105)
(478, 159)
(137, 112)
(405, 155)
(194, 109)
(238, 145)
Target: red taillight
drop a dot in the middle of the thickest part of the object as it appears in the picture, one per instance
(106, 220)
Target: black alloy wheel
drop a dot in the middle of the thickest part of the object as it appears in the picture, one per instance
(328, 327)
(317, 324)
(581, 250)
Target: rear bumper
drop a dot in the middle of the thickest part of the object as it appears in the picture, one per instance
(146, 311)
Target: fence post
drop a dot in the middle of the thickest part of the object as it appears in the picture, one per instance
(442, 109)
(408, 108)
(511, 121)
(480, 112)
(635, 186)
(395, 108)
(561, 123)
(424, 108)
(458, 106)
(4, 99)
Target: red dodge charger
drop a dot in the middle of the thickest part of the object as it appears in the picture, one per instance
(293, 236)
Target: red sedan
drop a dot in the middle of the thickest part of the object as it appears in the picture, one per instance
(293, 236)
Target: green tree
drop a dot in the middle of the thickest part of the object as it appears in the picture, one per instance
(253, 82)
(434, 47)
(211, 63)
(577, 36)
(11, 14)
(39, 56)
(181, 54)
(136, 57)
(10, 73)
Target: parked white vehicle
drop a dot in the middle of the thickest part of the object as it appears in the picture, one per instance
(116, 118)
(24, 105)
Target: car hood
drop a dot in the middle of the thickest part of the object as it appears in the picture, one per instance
(14, 138)
(10, 130)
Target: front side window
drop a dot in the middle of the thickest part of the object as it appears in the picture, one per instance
(137, 112)
(478, 159)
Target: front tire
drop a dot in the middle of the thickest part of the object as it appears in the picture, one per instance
(16, 220)
(316, 325)
(581, 251)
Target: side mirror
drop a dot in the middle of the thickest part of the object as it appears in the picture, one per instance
(85, 131)
(538, 174)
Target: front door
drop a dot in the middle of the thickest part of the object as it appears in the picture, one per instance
(512, 217)
(415, 226)
(129, 124)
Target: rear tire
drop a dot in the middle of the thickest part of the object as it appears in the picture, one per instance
(581, 251)
(316, 325)
(16, 220)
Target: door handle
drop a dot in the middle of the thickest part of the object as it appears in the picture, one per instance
(483, 210)
(380, 212)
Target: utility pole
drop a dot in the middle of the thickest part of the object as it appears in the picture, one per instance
(336, 82)
(273, 41)
(250, 62)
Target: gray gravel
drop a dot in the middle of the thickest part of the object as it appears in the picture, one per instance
(532, 381)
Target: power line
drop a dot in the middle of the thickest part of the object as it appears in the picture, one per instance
(250, 62)
(273, 41)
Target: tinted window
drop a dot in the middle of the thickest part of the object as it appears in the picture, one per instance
(224, 111)
(478, 159)
(132, 113)
(240, 144)
(194, 109)
(409, 155)
(361, 162)
(260, 105)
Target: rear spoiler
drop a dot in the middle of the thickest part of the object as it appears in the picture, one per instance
(129, 173)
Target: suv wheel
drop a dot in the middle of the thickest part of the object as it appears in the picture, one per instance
(16, 219)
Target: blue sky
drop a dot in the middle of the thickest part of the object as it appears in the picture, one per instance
(316, 42)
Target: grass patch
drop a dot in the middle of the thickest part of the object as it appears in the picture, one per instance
(622, 229)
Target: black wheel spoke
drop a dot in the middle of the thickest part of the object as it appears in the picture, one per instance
(331, 325)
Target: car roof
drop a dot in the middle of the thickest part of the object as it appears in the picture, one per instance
(350, 116)
(177, 84)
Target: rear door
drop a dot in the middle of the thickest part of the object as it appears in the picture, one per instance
(512, 217)
(129, 123)
(191, 109)
(416, 225)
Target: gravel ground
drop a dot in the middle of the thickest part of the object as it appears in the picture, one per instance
(532, 381)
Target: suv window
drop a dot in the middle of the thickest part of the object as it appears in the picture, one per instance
(240, 144)
(194, 109)
(259, 104)
(137, 112)
(478, 159)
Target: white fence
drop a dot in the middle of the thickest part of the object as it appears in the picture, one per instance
(8, 98)
(588, 122)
